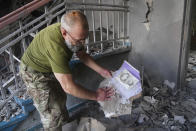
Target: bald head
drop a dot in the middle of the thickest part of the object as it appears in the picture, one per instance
(74, 18)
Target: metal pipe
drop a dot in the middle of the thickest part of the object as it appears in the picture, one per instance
(113, 28)
(23, 40)
(27, 33)
(94, 4)
(46, 12)
(97, 9)
(118, 24)
(29, 24)
(33, 22)
(87, 40)
(83, 3)
(13, 67)
(9, 81)
(101, 33)
(107, 18)
(58, 19)
(13, 56)
(106, 41)
(93, 17)
(123, 25)
(21, 12)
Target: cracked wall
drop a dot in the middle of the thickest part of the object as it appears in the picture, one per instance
(158, 47)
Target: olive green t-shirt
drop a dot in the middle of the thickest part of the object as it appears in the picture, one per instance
(48, 51)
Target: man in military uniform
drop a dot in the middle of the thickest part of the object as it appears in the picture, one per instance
(46, 72)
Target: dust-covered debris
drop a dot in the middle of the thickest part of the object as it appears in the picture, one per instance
(8, 106)
(13, 108)
(117, 105)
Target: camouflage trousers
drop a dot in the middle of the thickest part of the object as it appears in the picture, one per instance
(48, 97)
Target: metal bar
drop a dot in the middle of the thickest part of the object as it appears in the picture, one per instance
(87, 40)
(9, 81)
(123, 25)
(13, 56)
(27, 33)
(31, 23)
(106, 41)
(93, 17)
(111, 52)
(113, 28)
(46, 12)
(97, 9)
(107, 18)
(23, 40)
(13, 67)
(83, 3)
(21, 12)
(101, 33)
(94, 4)
(58, 19)
(118, 24)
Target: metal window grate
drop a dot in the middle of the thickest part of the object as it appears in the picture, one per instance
(107, 34)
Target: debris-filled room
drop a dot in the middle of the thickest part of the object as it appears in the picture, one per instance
(98, 65)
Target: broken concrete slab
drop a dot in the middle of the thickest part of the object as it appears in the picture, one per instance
(150, 99)
(90, 124)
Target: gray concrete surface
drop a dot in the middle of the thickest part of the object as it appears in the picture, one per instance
(159, 48)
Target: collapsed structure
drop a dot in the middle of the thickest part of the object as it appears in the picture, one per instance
(156, 36)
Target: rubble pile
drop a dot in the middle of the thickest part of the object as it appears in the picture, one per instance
(191, 70)
(164, 109)
(159, 109)
(8, 107)
(191, 74)
(9, 111)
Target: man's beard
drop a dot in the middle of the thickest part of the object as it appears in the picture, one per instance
(73, 48)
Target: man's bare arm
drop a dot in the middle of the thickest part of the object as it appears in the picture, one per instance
(72, 88)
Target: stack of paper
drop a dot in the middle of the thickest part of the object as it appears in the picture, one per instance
(127, 80)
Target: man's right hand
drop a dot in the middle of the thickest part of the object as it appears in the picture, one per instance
(103, 94)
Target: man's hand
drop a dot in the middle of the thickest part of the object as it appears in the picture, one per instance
(103, 94)
(105, 73)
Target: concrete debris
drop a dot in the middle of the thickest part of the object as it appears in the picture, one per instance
(150, 99)
(157, 110)
(179, 119)
(175, 128)
(8, 107)
(155, 89)
(85, 124)
(117, 105)
(165, 119)
(191, 68)
(142, 118)
(169, 84)
(90, 124)
(13, 110)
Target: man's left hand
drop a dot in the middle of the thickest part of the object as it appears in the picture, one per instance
(105, 73)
